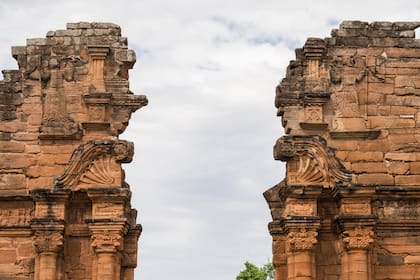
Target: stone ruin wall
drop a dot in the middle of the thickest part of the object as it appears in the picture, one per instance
(64, 204)
(349, 207)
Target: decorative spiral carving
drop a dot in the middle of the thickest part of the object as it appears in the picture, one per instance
(91, 162)
(312, 160)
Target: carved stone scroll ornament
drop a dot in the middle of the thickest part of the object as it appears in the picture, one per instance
(106, 242)
(48, 241)
(310, 162)
(358, 239)
(94, 162)
(301, 241)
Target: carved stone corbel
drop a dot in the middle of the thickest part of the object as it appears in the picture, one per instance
(96, 163)
(310, 162)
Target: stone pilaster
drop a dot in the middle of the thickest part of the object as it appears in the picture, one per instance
(356, 225)
(48, 245)
(107, 241)
(48, 227)
(355, 259)
(301, 223)
(129, 254)
(98, 54)
(300, 246)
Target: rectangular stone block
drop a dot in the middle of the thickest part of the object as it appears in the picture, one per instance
(40, 183)
(11, 147)
(401, 156)
(12, 181)
(36, 41)
(415, 167)
(7, 256)
(377, 145)
(395, 272)
(413, 180)
(371, 167)
(412, 260)
(357, 156)
(14, 160)
(390, 259)
(397, 167)
(375, 179)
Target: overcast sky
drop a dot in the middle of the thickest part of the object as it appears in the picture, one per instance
(204, 142)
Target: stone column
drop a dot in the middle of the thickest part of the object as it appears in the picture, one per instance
(356, 223)
(107, 246)
(355, 260)
(129, 254)
(48, 244)
(300, 247)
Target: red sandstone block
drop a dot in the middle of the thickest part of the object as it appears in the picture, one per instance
(378, 145)
(35, 119)
(402, 121)
(12, 181)
(345, 144)
(379, 88)
(12, 126)
(371, 167)
(40, 183)
(16, 160)
(403, 110)
(394, 100)
(415, 167)
(381, 121)
(364, 156)
(7, 256)
(11, 147)
(397, 167)
(393, 272)
(402, 138)
(375, 179)
(401, 156)
(408, 180)
(412, 259)
(412, 101)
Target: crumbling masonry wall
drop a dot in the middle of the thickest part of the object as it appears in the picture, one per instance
(64, 204)
(349, 207)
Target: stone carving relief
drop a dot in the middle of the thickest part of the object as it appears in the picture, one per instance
(301, 241)
(310, 162)
(53, 73)
(48, 241)
(106, 241)
(358, 239)
(15, 216)
(101, 172)
(398, 209)
(96, 163)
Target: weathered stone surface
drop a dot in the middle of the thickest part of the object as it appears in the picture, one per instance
(359, 92)
(64, 204)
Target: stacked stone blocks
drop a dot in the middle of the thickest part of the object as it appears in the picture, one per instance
(65, 206)
(350, 106)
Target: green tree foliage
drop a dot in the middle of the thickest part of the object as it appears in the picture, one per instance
(253, 272)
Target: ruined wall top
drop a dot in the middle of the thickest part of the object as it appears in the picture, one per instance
(70, 94)
(350, 105)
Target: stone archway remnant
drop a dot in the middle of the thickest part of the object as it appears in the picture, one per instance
(65, 208)
(348, 207)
